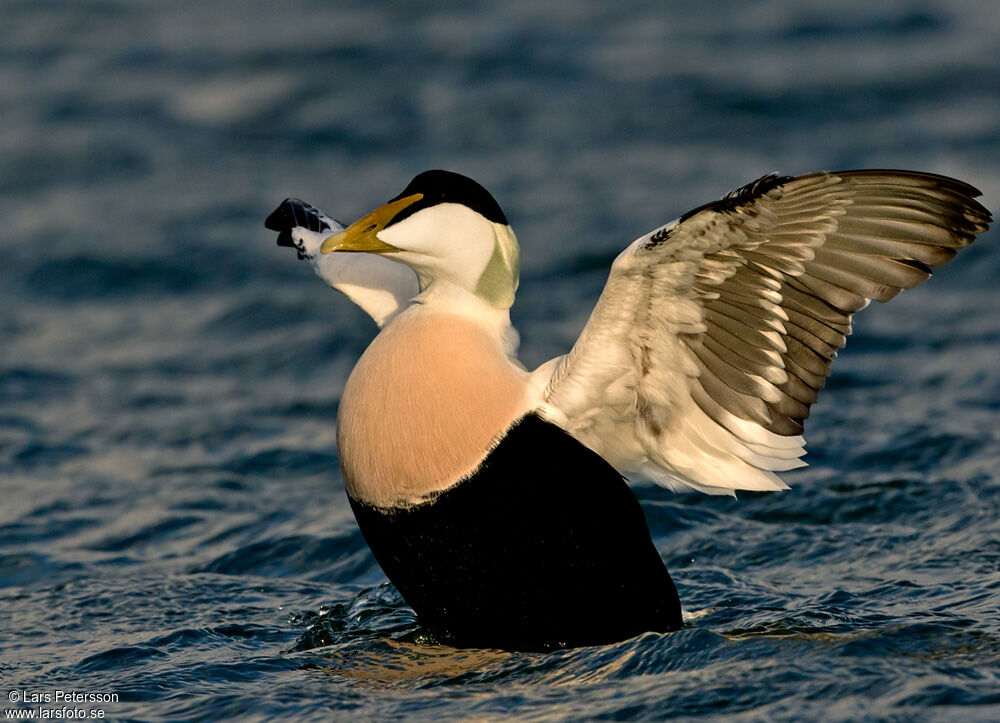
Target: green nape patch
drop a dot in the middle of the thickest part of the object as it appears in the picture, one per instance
(500, 277)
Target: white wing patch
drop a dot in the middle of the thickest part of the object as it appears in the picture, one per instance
(715, 333)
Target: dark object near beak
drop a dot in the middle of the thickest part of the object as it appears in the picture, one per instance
(294, 213)
(283, 219)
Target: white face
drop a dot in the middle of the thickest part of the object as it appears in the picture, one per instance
(447, 242)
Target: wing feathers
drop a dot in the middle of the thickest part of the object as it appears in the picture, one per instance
(875, 246)
(739, 379)
(836, 296)
(750, 352)
(725, 323)
(770, 369)
(797, 300)
(878, 269)
(804, 328)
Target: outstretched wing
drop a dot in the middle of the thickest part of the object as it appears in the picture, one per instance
(380, 286)
(715, 333)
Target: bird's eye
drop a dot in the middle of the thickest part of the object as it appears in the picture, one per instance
(371, 228)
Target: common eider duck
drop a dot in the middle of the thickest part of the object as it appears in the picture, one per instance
(493, 497)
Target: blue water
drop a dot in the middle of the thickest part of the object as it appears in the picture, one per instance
(173, 526)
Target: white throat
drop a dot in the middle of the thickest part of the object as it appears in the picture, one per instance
(379, 286)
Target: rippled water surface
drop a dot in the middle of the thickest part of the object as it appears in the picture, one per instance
(173, 527)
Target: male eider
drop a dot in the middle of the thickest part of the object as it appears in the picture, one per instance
(493, 497)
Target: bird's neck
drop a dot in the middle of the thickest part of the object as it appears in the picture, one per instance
(382, 288)
(444, 297)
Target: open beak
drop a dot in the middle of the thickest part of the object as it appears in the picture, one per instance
(362, 235)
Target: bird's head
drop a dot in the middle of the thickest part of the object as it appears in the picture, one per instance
(447, 228)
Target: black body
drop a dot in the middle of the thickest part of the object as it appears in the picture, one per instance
(545, 546)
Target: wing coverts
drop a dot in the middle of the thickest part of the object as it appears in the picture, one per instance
(716, 332)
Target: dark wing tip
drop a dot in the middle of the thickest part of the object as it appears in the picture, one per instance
(753, 190)
(293, 213)
(742, 196)
(959, 193)
(918, 265)
(920, 178)
(283, 217)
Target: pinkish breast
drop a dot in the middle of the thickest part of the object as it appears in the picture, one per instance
(423, 406)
